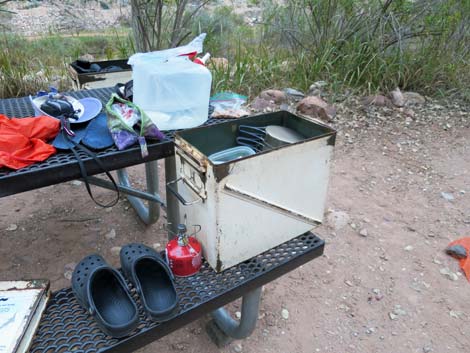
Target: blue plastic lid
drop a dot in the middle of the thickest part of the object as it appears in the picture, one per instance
(231, 154)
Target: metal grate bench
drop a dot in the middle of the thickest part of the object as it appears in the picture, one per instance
(66, 327)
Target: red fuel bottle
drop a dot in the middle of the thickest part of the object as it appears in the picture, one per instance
(184, 253)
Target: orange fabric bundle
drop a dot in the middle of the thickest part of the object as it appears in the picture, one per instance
(23, 141)
(464, 263)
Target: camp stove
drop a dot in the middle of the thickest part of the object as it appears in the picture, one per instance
(184, 253)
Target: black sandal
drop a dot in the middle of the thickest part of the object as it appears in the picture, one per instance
(152, 278)
(104, 293)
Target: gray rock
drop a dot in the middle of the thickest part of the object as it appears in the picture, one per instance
(455, 314)
(316, 108)
(12, 227)
(338, 219)
(68, 275)
(87, 57)
(363, 232)
(397, 310)
(413, 98)
(115, 250)
(377, 100)
(76, 182)
(285, 314)
(237, 348)
(449, 274)
(273, 95)
(262, 105)
(68, 270)
(293, 94)
(110, 235)
(70, 266)
(397, 98)
(316, 88)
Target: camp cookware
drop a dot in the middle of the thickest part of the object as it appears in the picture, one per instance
(277, 136)
(230, 154)
(264, 138)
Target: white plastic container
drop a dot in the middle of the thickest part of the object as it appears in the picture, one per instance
(174, 92)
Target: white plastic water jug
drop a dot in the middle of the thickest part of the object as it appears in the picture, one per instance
(174, 92)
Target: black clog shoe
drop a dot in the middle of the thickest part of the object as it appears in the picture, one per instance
(152, 279)
(104, 293)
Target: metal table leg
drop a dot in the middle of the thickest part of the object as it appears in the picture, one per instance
(149, 214)
(223, 329)
(172, 211)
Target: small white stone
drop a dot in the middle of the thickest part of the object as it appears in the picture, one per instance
(399, 311)
(12, 227)
(408, 248)
(449, 274)
(393, 316)
(238, 314)
(285, 314)
(76, 182)
(115, 250)
(156, 246)
(237, 348)
(68, 275)
(448, 196)
(363, 232)
(110, 235)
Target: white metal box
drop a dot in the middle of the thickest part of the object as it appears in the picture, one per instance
(249, 205)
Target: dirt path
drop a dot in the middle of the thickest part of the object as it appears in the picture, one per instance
(382, 292)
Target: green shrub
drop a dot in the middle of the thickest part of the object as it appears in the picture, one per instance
(27, 66)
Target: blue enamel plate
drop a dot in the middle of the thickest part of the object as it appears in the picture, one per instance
(91, 108)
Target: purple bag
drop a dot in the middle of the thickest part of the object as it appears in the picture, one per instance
(129, 124)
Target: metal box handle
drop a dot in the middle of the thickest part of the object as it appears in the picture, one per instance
(180, 198)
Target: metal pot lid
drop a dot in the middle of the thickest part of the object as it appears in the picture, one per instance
(283, 134)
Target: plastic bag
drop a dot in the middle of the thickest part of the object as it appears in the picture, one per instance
(129, 124)
(228, 105)
(194, 46)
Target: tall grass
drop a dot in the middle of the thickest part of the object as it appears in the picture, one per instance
(367, 45)
(421, 44)
(30, 65)
(374, 45)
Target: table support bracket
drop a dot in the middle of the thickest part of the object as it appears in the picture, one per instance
(223, 329)
(148, 214)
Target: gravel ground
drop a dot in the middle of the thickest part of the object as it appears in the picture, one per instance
(399, 193)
